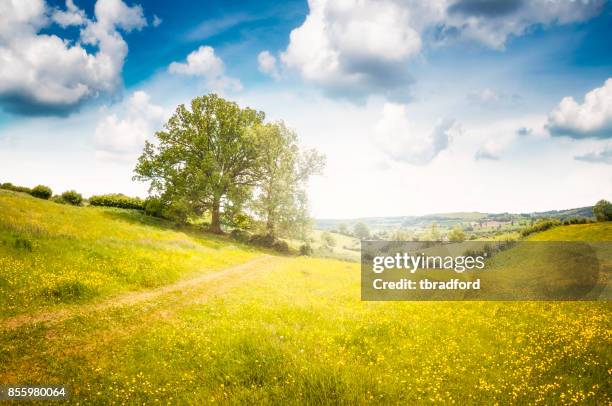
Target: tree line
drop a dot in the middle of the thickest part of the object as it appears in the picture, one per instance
(219, 161)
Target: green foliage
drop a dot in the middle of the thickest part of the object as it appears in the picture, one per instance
(69, 291)
(204, 160)
(281, 246)
(541, 225)
(240, 235)
(577, 220)
(456, 234)
(72, 197)
(361, 231)
(14, 188)
(343, 229)
(117, 200)
(22, 243)
(283, 172)
(306, 249)
(154, 206)
(41, 192)
(603, 210)
(263, 240)
(269, 241)
(328, 240)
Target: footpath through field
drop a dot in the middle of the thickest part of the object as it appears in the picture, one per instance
(233, 275)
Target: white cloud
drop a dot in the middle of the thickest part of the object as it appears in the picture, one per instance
(361, 47)
(121, 137)
(400, 140)
(591, 119)
(204, 63)
(43, 73)
(267, 64)
(71, 16)
(494, 22)
(156, 21)
(354, 46)
(602, 156)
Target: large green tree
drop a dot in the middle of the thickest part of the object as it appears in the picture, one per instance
(603, 210)
(205, 159)
(283, 172)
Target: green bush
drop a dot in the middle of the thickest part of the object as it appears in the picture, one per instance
(577, 220)
(14, 188)
(154, 206)
(117, 200)
(306, 249)
(281, 246)
(72, 197)
(603, 210)
(264, 240)
(239, 235)
(42, 192)
(541, 225)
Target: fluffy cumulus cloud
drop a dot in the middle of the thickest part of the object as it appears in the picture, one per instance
(591, 119)
(355, 46)
(47, 74)
(267, 64)
(400, 140)
(494, 22)
(603, 156)
(360, 47)
(205, 64)
(121, 137)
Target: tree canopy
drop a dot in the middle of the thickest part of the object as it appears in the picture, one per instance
(204, 160)
(222, 161)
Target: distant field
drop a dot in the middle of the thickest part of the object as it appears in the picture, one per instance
(272, 330)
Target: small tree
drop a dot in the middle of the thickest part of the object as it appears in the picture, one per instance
(603, 210)
(456, 234)
(72, 197)
(42, 192)
(343, 229)
(283, 170)
(328, 240)
(434, 234)
(361, 231)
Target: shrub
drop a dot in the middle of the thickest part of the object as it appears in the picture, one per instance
(14, 188)
(153, 206)
(305, 249)
(42, 192)
(239, 235)
(281, 246)
(72, 197)
(577, 220)
(264, 240)
(541, 225)
(117, 200)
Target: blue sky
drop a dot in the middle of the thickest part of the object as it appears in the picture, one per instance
(439, 106)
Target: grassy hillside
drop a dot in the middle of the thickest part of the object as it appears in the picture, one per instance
(577, 232)
(273, 330)
(52, 254)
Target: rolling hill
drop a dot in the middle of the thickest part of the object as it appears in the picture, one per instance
(123, 308)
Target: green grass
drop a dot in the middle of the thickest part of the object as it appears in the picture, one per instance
(577, 232)
(291, 332)
(53, 254)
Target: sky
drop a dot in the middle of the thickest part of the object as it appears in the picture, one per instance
(419, 107)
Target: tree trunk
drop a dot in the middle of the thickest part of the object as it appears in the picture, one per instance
(270, 226)
(215, 222)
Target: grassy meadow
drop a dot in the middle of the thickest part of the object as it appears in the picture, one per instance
(268, 329)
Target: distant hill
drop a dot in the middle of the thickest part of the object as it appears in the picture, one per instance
(450, 219)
